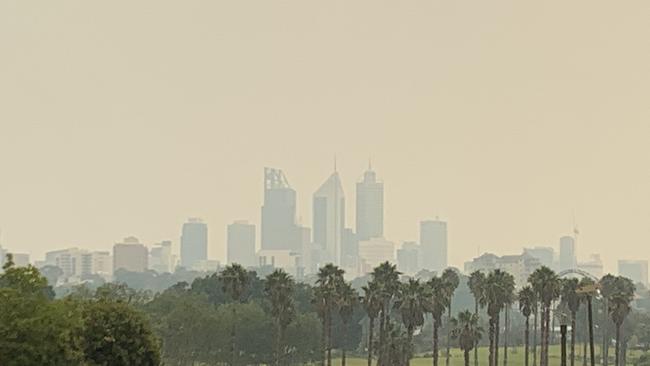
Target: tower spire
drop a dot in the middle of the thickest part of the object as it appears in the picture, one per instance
(369, 163)
(334, 163)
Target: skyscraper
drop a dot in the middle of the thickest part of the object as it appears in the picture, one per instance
(161, 258)
(279, 229)
(241, 244)
(433, 245)
(194, 242)
(370, 206)
(408, 258)
(130, 255)
(329, 219)
(568, 253)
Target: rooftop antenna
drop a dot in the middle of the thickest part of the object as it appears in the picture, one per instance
(334, 163)
(369, 163)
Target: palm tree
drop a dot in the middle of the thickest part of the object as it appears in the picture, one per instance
(451, 281)
(372, 305)
(234, 282)
(507, 304)
(386, 277)
(606, 290)
(437, 306)
(476, 284)
(412, 304)
(467, 331)
(526, 304)
(279, 288)
(499, 286)
(571, 299)
(347, 299)
(619, 307)
(328, 280)
(546, 285)
(585, 298)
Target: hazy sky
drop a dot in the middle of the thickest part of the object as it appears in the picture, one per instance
(504, 118)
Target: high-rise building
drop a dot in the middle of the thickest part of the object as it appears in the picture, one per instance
(433, 245)
(349, 250)
(370, 206)
(241, 244)
(636, 270)
(161, 258)
(568, 258)
(130, 255)
(194, 242)
(374, 251)
(75, 262)
(329, 218)
(279, 230)
(408, 258)
(545, 255)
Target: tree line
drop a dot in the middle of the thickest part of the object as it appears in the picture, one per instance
(235, 317)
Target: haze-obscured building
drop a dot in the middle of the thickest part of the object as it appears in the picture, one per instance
(636, 270)
(194, 242)
(433, 245)
(161, 258)
(568, 259)
(593, 266)
(329, 219)
(375, 251)
(545, 255)
(279, 229)
(370, 207)
(519, 266)
(408, 258)
(130, 255)
(241, 244)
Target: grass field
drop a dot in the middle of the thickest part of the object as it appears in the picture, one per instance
(515, 358)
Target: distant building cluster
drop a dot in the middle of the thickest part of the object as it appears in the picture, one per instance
(285, 243)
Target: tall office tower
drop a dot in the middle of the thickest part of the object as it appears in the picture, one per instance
(161, 258)
(636, 270)
(194, 242)
(408, 258)
(373, 252)
(545, 255)
(130, 255)
(370, 206)
(568, 253)
(433, 245)
(329, 218)
(279, 229)
(241, 244)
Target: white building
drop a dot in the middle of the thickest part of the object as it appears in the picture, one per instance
(289, 260)
(375, 251)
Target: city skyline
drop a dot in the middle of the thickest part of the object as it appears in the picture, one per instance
(479, 113)
(282, 193)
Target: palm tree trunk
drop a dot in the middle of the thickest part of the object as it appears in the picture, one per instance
(526, 336)
(505, 338)
(371, 326)
(232, 335)
(382, 337)
(409, 344)
(535, 312)
(497, 330)
(329, 340)
(466, 354)
(324, 341)
(476, 345)
(573, 338)
(278, 342)
(605, 348)
(549, 331)
(345, 342)
(491, 347)
(617, 356)
(542, 334)
(435, 342)
(448, 334)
